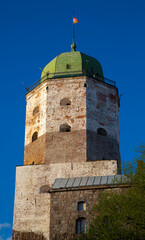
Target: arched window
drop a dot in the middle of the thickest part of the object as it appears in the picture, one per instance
(65, 128)
(68, 66)
(101, 131)
(36, 110)
(81, 225)
(81, 206)
(34, 136)
(65, 101)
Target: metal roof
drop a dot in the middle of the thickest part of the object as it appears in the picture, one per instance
(77, 182)
(77, 62)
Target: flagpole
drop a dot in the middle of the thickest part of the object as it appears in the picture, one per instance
(73, 46)
(73, 29)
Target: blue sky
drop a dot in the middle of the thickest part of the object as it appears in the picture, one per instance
(32, 33)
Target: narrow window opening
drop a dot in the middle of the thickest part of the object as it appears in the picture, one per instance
(65, 102)
(106, 222)
(81, 225)
(47, 88)
(81, 206)
(101, 131)
(92, 69)
(34, 136)
(65, 128)
(68, 66)
(85, 85)
(36, 110)
(96, 75)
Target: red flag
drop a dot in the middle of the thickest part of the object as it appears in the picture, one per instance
(75, 20)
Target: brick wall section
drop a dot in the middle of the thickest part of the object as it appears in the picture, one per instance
(35, 152)
(65, 147)
(27, 236)
(68, 146)
(64, 212)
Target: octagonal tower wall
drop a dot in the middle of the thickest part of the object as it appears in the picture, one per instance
(92, 110)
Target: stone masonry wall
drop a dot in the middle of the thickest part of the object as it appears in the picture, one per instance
(64, 210)
(92, 106)
(35, 152)
(32, 208)
(65, 147)
(36, 122)
(102, 109)
(27, 236)
(52, 142)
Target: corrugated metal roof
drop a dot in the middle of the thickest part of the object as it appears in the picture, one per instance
(61, 183)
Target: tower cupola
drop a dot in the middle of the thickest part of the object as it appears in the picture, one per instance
(72, 64)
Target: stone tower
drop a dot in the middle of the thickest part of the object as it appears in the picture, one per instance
(72, 131)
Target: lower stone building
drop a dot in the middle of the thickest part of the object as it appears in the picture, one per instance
(69, 208)
(72, 201)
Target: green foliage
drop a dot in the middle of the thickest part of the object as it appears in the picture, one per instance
(120, 213)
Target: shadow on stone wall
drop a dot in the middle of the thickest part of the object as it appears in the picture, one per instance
(27, 236)
(101, 110)
(101, 147)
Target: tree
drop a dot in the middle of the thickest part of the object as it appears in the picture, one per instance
(121, 214)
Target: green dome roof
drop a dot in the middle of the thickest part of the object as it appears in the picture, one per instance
(71, 64)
